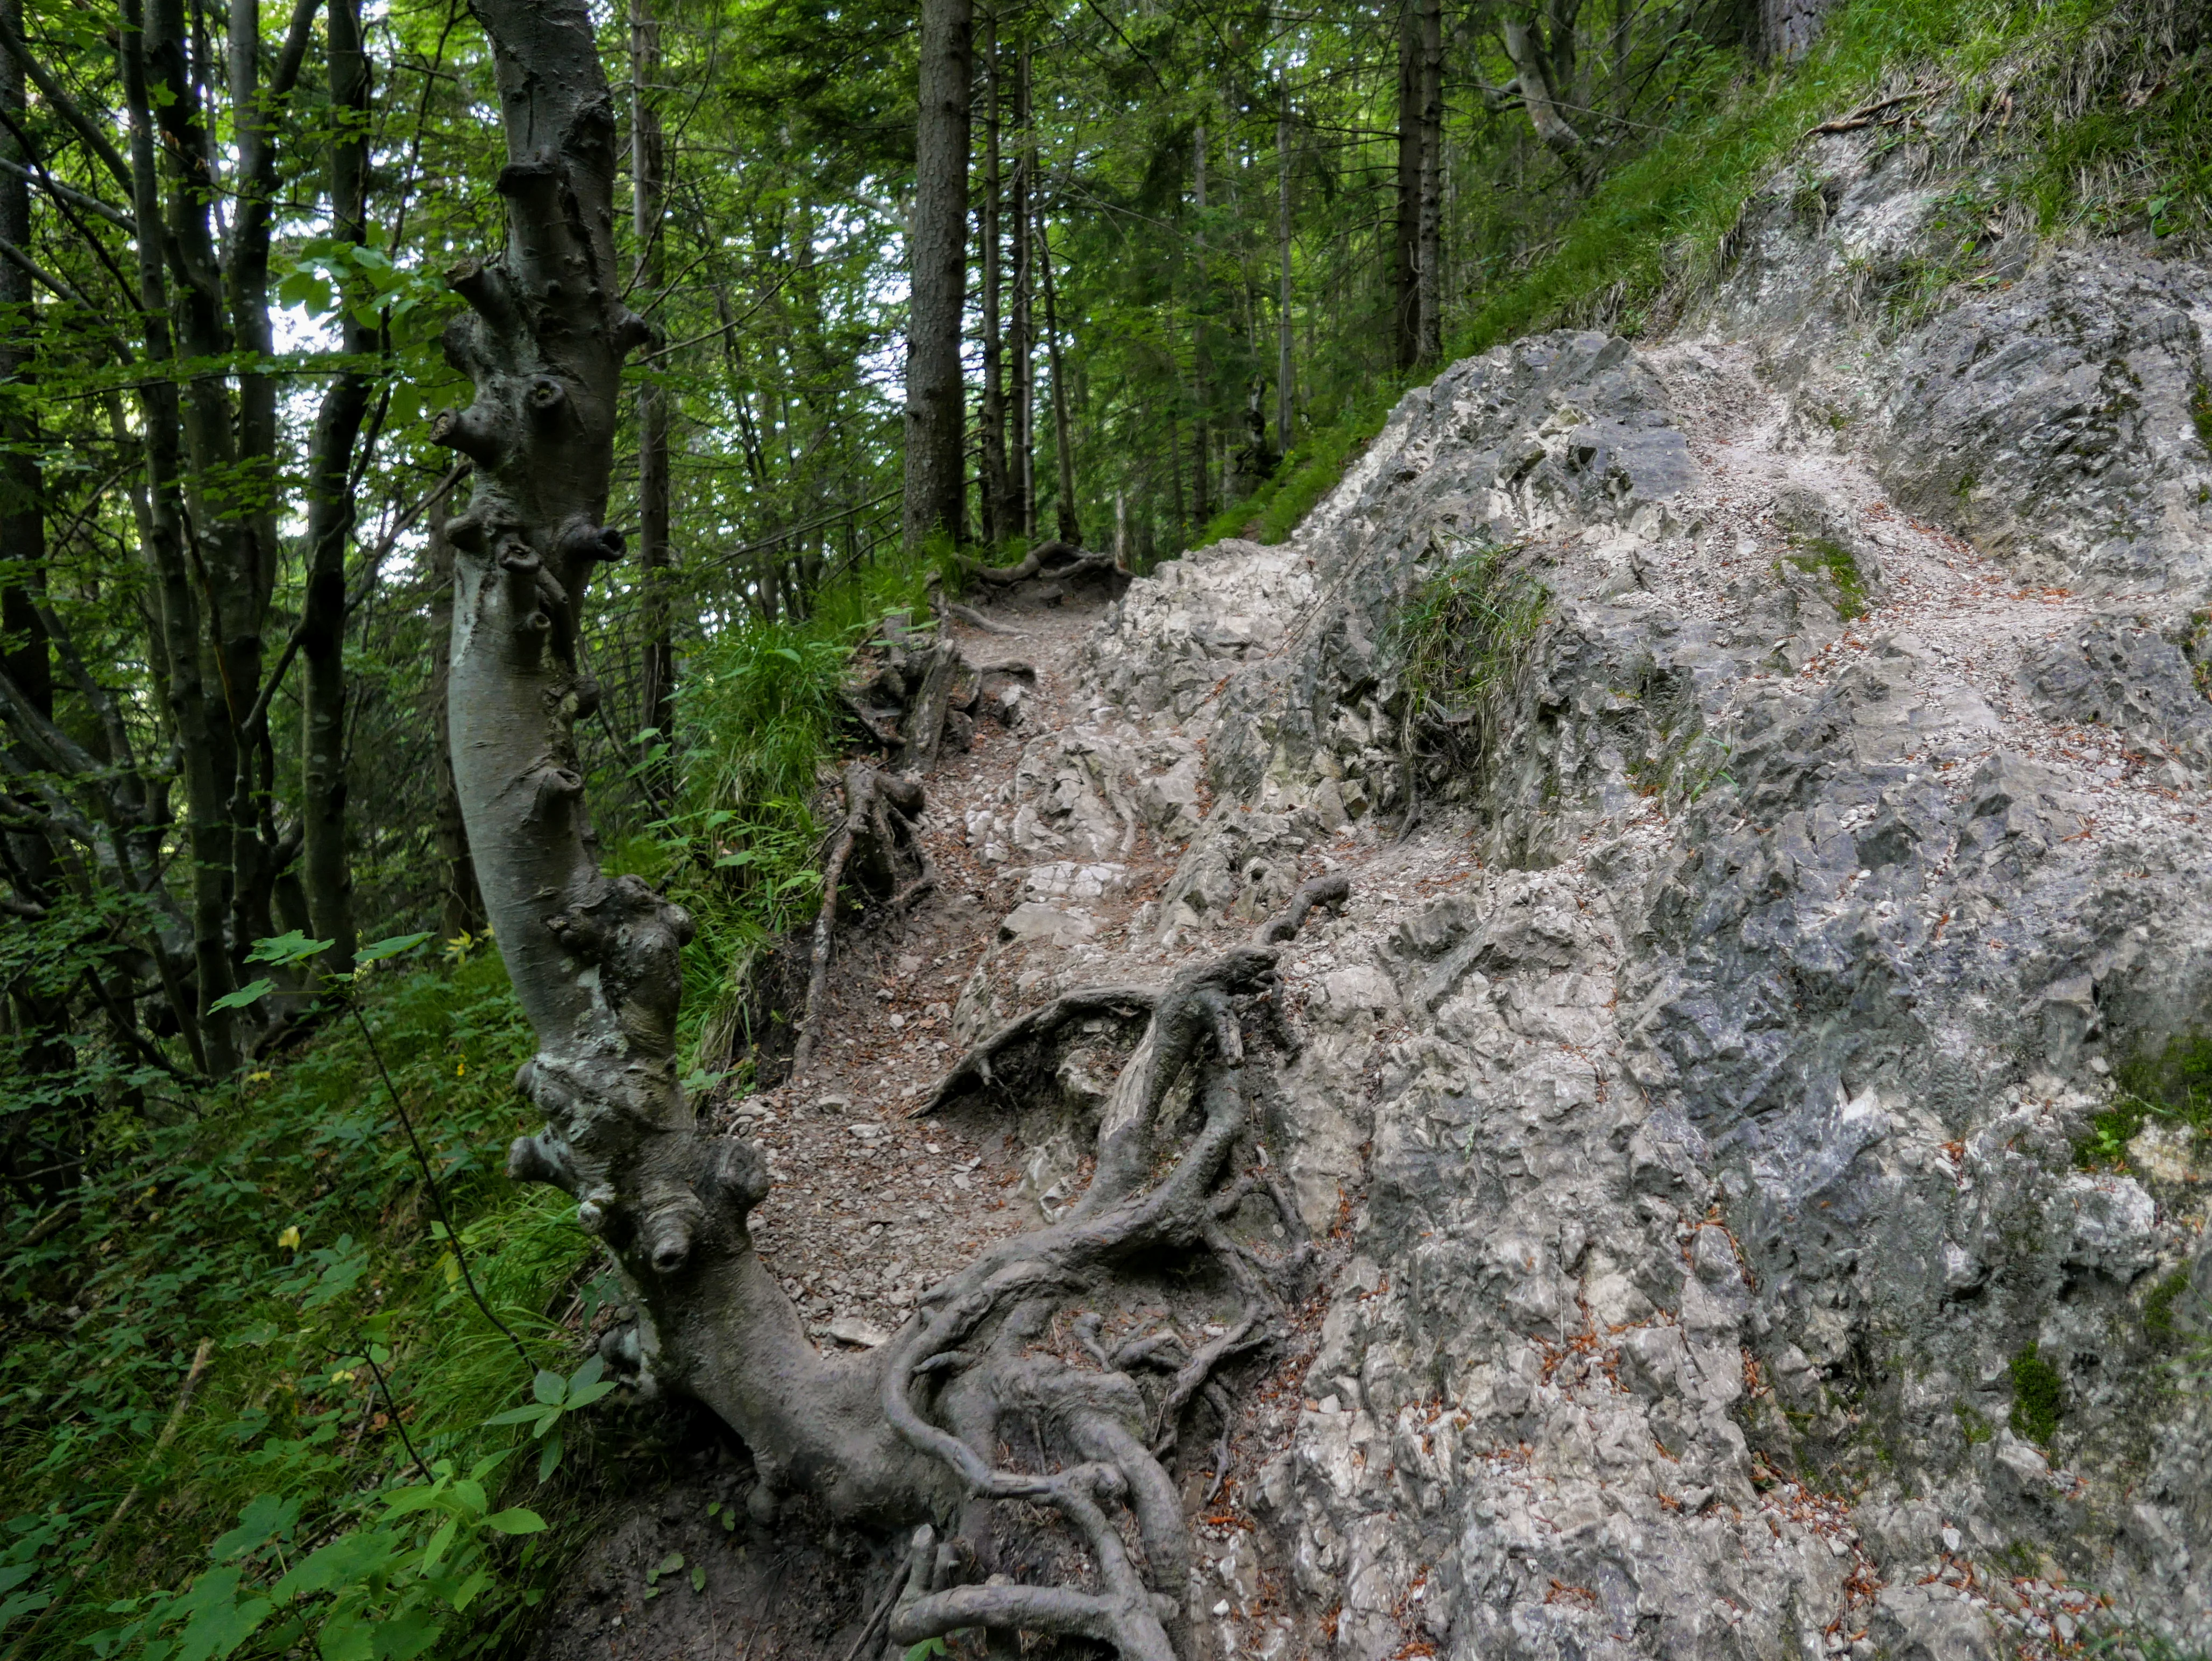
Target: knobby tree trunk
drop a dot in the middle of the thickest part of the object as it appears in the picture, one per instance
(1406, 240)
(648, 188)
(327, 877)
(936, 407)
(1428, 325)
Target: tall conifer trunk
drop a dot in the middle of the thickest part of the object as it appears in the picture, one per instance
(1286, 400)
(1406, 240)
(1021, 342)
(936, 407)
(996, 491)
(1428, 325)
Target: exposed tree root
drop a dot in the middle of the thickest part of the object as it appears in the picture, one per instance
(923, 693)
(912, 1433)
(1061, 562)
(974, 1067)
(876, 844)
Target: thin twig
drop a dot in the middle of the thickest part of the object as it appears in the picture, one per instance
(430, 1179)
(392, 1407)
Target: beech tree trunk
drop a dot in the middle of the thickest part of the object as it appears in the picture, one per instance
(460, 905)
(936, 407)
(1545, 69)
(649, 184)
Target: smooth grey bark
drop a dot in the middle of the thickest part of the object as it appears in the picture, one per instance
(648, 189)
(936, 405)
(326, 877)
(460, 906)
(1542, 52)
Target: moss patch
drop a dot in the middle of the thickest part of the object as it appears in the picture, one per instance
(2039, 1396)
(2159, 1320)
(2174, 1085)
(1972, 1425)
(1815, 554)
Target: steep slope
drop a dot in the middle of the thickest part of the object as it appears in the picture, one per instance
(1705, 1109)
(1724, 1282)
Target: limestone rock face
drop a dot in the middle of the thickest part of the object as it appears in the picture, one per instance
(1704, 1080)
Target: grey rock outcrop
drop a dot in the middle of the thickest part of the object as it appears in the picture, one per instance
(1698, 1084)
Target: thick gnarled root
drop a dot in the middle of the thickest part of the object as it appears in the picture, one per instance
(968, 1360)
(919, 693)
(1058, 565)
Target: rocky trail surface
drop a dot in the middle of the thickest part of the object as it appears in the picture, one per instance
(1689, 1102)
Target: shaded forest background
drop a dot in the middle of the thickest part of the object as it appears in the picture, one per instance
(1204, 249)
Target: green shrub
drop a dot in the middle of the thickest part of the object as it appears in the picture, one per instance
(345, 1449)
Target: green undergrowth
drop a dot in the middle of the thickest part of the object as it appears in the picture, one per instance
(364, 1467)
(2175, 1086)
(2079, 126)
(740, 846)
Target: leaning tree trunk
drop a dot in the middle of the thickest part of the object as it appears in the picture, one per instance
(916, 1434)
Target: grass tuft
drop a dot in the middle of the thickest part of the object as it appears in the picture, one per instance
(2039, 1396)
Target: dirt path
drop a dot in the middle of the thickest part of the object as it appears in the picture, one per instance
(871, 1207)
